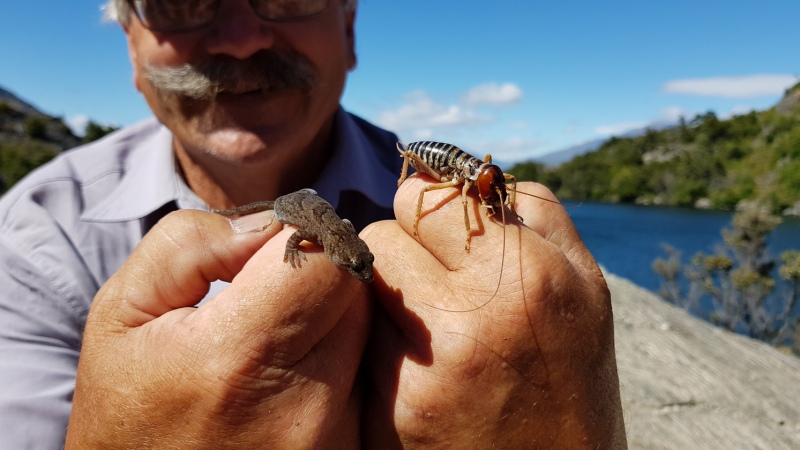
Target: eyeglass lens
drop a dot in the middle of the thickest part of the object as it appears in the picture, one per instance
(182, 15)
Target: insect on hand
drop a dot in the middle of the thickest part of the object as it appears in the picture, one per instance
(452, 167)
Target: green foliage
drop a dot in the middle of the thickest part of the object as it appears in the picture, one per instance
(5, 109)
(529, 171)
(16, 160)
(787, 144)
(739, 280)
(790, 270)
(754, 156)
(533, 171)
(30, 139)
(95, 131)
(35, 127)
(626, 184)
(728, 196)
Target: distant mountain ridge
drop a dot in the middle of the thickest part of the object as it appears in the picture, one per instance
(17, 103)
(704, 162)
(561, 156)
(30, 138)
(20, 122)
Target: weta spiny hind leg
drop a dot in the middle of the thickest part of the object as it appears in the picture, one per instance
(431, 187)
(512, 197)
(405, 154)
(464, 190)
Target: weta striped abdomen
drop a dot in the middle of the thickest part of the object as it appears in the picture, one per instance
(445, 161)
(453, 166)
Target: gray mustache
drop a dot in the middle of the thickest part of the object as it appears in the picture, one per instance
(268, 72)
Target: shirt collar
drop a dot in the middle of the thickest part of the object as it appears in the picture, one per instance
(151, 179)
(354, 165)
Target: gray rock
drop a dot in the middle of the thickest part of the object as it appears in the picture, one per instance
(689, 385)
(794, 210)
(703, 203)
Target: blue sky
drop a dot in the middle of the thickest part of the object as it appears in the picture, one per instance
(517, 78)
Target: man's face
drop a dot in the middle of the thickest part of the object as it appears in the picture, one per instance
(253, 115)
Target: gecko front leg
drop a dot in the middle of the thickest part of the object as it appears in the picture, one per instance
(293, 255)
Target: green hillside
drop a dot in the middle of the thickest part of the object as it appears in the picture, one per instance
(30, 138)
(704, 162)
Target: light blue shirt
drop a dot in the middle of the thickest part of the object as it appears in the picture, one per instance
(68, 226)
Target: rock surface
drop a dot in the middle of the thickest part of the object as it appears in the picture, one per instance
(689, 385)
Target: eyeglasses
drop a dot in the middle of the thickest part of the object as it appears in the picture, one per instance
(171, 16)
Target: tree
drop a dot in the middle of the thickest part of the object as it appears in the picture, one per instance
(35, 126)
(17, 159)
(738, 279)
(527, 171)
(95, 131)
(6, 109)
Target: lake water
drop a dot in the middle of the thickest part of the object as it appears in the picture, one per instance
(626, 239)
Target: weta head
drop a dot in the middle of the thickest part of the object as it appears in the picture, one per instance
(492, 188)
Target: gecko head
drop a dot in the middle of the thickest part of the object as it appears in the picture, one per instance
(357, 261)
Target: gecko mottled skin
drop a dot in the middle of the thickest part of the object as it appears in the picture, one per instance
(318, 223)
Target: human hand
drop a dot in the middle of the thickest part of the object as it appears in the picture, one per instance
(455, 361)
(270, 362)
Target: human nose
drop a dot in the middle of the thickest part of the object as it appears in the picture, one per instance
(238, 31)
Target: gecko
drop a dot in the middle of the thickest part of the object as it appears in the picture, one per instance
(318, 223)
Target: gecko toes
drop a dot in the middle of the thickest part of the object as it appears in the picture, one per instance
(294, 257)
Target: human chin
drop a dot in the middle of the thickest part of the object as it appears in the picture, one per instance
(234, 145)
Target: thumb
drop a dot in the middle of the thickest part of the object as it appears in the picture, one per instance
(173, 266)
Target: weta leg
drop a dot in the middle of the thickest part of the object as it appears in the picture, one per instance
(464, 190)
(512, 197)
(403, 154)
(430, 187)
(488, 158)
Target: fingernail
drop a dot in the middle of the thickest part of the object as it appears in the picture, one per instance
(250, 223)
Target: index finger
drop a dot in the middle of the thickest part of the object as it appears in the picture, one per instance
(174, 264)
(441, 226)
(542, 212)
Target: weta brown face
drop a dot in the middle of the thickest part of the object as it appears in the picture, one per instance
(492, 188)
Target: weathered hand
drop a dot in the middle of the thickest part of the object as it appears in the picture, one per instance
(270, 362)
(452, 364)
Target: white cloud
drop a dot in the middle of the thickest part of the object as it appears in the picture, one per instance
(511, 149)
(421, 117)
(668, 116)
(733, 87)
(78, 124)
(672, 114)
(420, 111)
(423, 135)
(493, 94)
